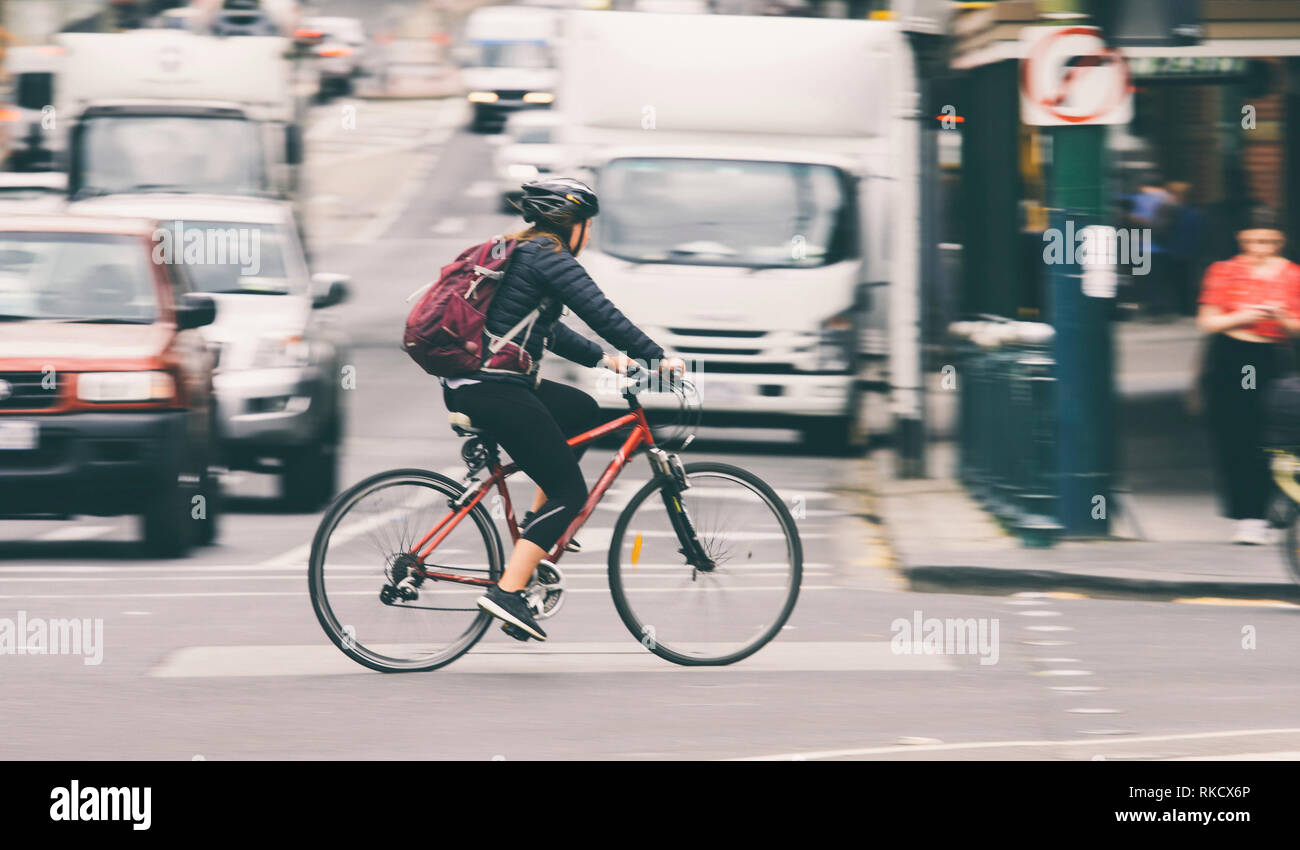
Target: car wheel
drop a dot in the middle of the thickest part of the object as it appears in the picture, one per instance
(830, 437)
(167, 528)
(208, 526)
(310, 476)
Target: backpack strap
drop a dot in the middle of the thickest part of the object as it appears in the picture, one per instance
(498, 342)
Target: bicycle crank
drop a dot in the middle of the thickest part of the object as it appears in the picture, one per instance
(545, 591)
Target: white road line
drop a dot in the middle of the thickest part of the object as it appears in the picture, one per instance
(1283, 755)
(806, 588)
(991, 745)
(625, 656)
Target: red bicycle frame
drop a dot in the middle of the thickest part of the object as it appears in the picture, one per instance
(640, 437)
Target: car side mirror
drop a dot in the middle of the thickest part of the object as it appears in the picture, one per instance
(330, 289)
(195, 311)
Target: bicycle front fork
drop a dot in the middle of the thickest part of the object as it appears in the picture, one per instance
(668, 468)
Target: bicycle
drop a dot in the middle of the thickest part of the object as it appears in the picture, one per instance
(666, 567)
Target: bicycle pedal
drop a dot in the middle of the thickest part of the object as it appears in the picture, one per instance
(514, 631)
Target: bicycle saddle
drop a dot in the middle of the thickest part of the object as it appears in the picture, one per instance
(461, 424)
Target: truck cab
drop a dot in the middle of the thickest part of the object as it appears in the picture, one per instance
(507, 54)
(171, 110)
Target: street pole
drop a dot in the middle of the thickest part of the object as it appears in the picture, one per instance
(1084, 347)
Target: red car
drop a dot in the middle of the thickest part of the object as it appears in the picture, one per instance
(105, 383)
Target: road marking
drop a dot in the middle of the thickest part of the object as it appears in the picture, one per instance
(1075, 688)
(991, 745)
(1092, 711)
(1049, 628)
(805, 588)
(1247, 603)
(1062, 673)
(626, 656)
(1037, 613)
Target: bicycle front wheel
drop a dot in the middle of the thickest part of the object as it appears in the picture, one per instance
(362, 551)
(716, 615)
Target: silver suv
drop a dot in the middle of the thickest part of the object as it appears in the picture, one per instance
(278, 376)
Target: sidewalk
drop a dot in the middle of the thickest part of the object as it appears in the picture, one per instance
(940, 539)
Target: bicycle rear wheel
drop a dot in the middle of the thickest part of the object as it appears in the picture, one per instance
(705, 617)
(363, 545)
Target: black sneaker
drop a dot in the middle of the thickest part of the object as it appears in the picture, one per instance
(572, 546)
(511, 608)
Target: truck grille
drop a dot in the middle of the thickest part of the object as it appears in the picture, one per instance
(23, 391)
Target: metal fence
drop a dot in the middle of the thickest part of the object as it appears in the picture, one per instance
(1007, 428)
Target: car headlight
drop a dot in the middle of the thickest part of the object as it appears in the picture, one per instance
(520, 171)
(833, 340)
(538, 97)
(281, 351)
(116, 387)
(482, 97)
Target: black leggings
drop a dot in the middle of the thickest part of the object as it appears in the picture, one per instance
(532, 425)
(1236, 418)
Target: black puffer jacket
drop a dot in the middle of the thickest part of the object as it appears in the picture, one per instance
(537, 276)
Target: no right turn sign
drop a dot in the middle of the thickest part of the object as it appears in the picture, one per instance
(1070, 77)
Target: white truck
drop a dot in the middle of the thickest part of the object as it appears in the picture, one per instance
(758, 189)
(507, 61)
(176, 111)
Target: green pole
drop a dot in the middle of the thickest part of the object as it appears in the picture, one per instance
(1083, 346)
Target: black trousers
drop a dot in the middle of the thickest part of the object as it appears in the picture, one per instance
(1235, 412)
(533, 425)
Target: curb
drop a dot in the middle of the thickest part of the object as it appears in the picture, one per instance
(1002, 580)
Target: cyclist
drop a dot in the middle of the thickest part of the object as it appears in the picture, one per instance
(528, 417)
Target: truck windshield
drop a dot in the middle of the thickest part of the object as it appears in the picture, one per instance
(144, 153)
(514, 54)
(76, 277)
(225, 256)
(724, 212)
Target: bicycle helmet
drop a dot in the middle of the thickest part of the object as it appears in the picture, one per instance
(558, 201)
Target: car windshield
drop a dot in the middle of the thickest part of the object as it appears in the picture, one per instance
(225, 256)
(76, 277)
(143, 153)
(514, 54)
(723, 212)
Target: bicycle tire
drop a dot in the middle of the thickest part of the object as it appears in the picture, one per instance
(315, 579)
(623, 605)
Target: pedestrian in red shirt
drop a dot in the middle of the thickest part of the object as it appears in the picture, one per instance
(1250, 305)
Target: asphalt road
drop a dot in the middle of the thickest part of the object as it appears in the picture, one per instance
(220, 657)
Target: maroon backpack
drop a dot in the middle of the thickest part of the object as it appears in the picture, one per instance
(445, 331)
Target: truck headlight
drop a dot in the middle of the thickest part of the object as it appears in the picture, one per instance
(281, 351)
(833, 340)
(482, 97)
(538, 97)
(116, 387)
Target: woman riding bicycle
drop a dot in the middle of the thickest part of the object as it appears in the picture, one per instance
(530, 418)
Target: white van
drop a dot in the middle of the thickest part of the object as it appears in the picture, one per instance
(508, 62)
